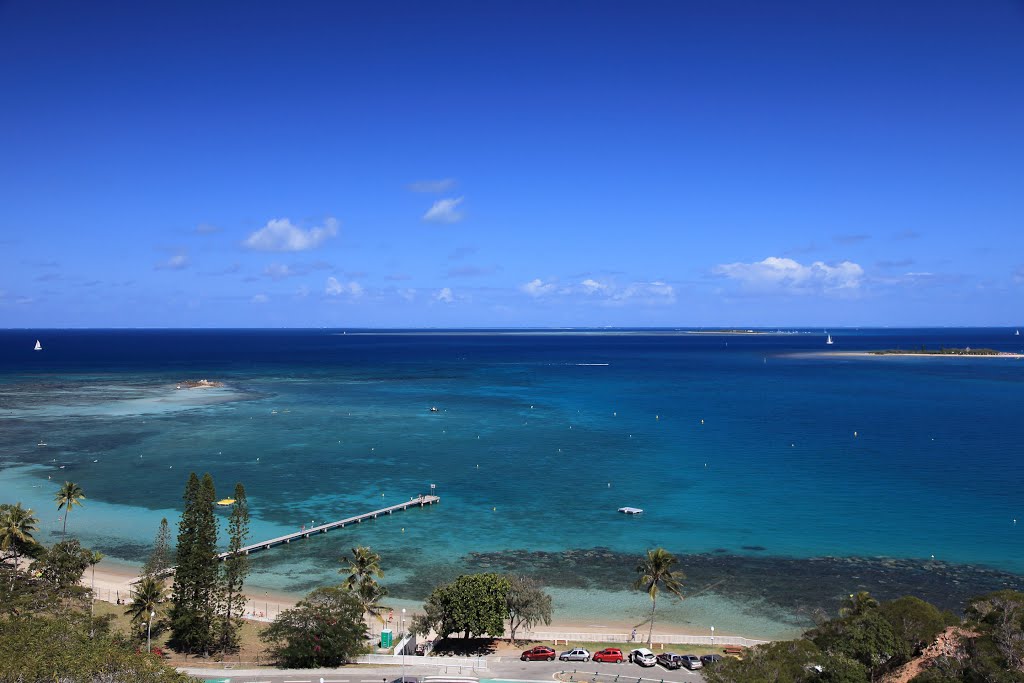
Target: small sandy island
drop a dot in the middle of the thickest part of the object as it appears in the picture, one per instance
(907, 354)
(199, 384)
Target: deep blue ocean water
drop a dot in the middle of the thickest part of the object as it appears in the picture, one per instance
(735, 446)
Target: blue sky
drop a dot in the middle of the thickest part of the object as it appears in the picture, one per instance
(407, 164)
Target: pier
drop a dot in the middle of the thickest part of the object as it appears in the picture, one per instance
(418, 501)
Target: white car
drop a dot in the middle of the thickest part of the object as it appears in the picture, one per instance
(643, 657)
(577, 654)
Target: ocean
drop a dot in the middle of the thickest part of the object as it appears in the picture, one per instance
(783, 479)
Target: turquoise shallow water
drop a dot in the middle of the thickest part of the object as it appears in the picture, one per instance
(742, 450)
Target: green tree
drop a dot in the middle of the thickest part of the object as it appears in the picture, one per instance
(472, 604)
(195, 589)
(159, 560)
(785, 661)
(527, 605)
(857, 604)
(867, 638)
(35, 648)
(363, 568)
(915, 622)
(95, 557)
(997, 654)
(654, 574)
(325, 629)
(147, 597)
(16, 527)
(235, 569)
(68, 496)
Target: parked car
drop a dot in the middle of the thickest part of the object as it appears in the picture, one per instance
(691, 662)
(710, 659)
(643, 657)
(538, 653)
(670, 660)
(577, 654)
(612, 655)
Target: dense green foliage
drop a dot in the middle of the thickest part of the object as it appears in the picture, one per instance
(37, 648)
(47, 632)
(527, 604)
(195, 593)
(235, 569)
(655, 573)
(472, 604)
(870, 639)
(326, 629)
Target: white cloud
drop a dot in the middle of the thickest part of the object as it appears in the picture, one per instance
(591, 286)
(775, 274)
(206, 229)
(177, 262)
(444, 295)
(537, 287)
(444, 211)
(407, 293)
(336, 288)
(260, 299)
(279, 234)
(442, 185)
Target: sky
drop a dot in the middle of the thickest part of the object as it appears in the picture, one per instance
(511, 164)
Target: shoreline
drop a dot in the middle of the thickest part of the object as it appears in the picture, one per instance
(113, 581)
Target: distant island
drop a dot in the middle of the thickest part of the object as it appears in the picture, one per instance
(198, 384)
(967, 351)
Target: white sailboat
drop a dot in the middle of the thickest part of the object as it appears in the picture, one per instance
(38, 346)
(1017, 333)
(829, 340)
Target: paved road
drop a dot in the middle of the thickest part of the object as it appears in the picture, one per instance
(505, 669)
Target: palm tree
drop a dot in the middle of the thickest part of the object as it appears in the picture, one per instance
(857, 604)
(146, 597)
(94, 559)
(655, 573)
(362, 567)
(69, 495)
(16, 527)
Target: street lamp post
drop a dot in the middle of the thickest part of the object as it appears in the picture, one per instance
(149, 632)
(712, 636)
(403, 644)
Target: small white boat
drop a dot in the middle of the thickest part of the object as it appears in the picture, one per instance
(631, 511)
(829, 340)
(433, 409)
(41, 444)
(1015, 334)
(38, 346)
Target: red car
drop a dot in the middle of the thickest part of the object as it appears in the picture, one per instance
(610, 654)
(542, 653)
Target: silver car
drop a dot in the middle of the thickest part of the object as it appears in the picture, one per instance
(577, 654)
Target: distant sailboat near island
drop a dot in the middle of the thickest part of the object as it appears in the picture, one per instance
(829, 340)
(38, 346)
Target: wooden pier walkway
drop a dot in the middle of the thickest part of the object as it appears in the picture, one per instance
(418, 501)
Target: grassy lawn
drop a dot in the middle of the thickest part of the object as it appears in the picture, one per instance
(251, 652)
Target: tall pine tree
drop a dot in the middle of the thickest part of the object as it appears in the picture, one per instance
(236, 568)
(195, 579)
(160, 559)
